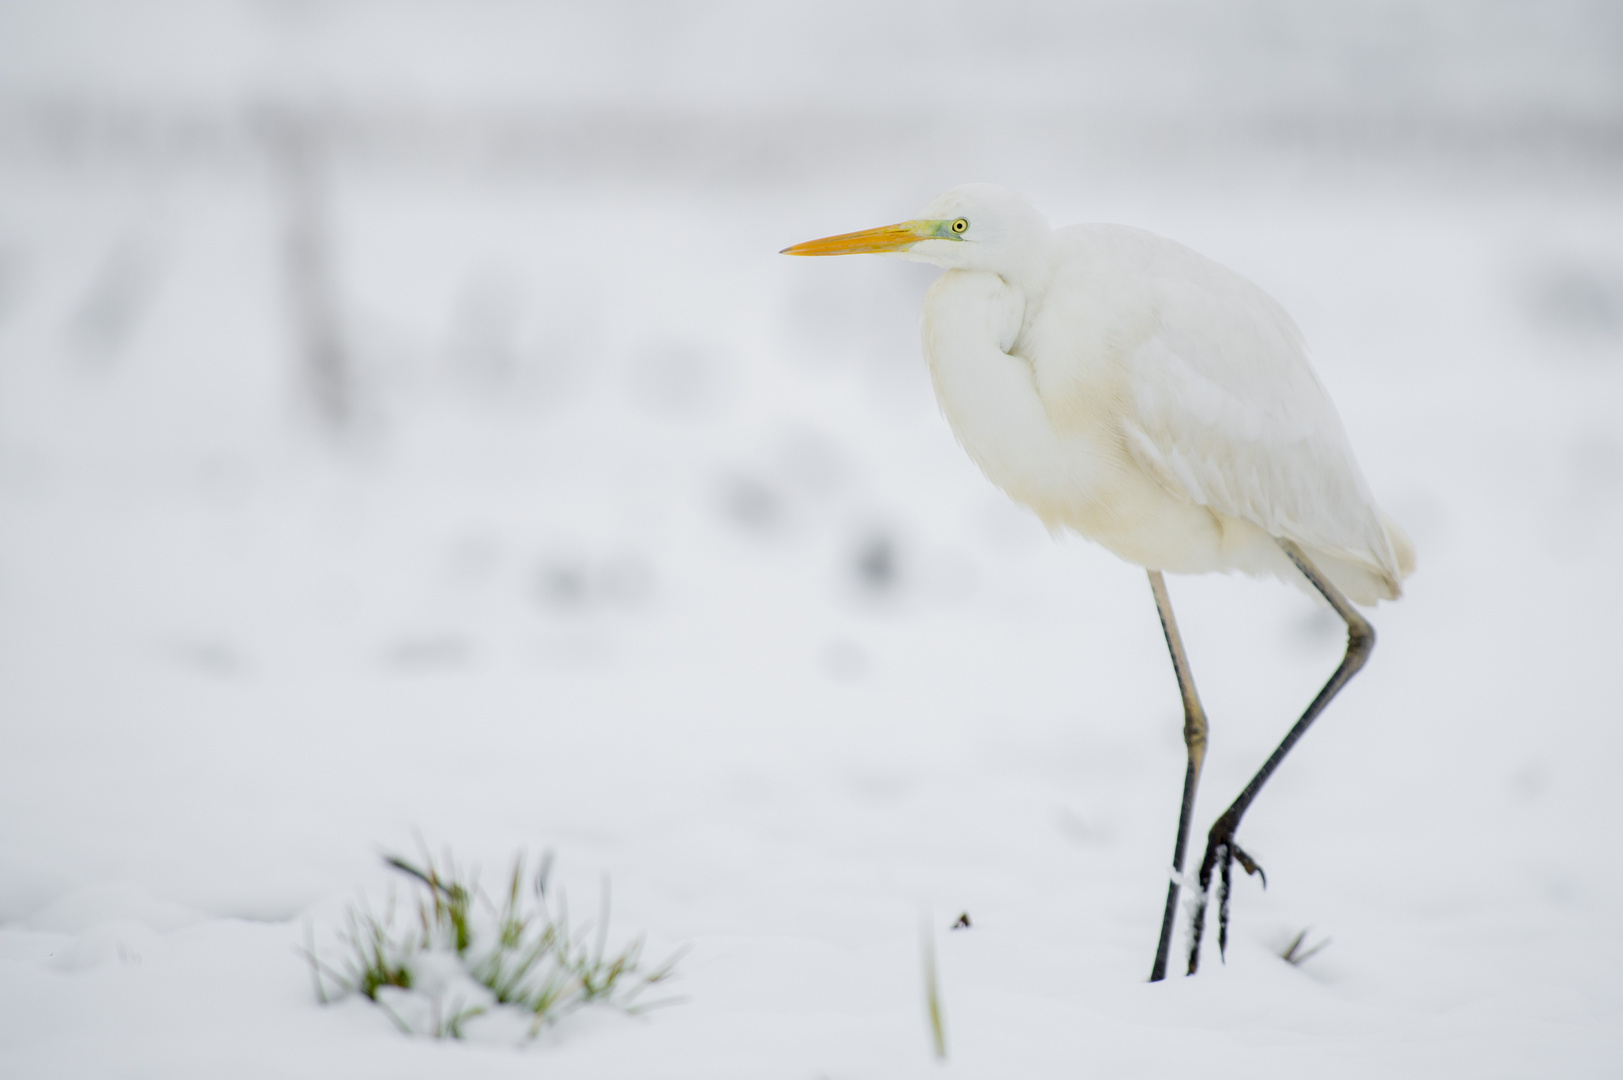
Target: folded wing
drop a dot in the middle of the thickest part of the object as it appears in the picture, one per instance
(1225, 411)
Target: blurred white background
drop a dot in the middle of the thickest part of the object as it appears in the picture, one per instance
(407, 422)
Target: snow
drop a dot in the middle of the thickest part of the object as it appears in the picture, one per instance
(650, 548)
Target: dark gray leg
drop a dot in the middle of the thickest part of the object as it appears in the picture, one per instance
(1194, 737)
(1221, 850)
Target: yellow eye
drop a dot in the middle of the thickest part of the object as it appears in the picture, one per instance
(960, 226)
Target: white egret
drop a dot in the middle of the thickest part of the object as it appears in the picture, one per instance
(1128, 389)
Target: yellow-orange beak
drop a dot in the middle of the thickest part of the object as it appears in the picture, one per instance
(888, 238)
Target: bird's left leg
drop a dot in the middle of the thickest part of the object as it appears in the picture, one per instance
(1221, 850)
(1194, 737)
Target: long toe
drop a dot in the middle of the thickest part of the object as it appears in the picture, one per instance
(1250, 865)
(1228, 854)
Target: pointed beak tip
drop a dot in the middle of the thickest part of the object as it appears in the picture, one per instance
(887, 238)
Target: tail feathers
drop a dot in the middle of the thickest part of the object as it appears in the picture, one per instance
(1356, 579)
(1360, 578)
(1402, 546)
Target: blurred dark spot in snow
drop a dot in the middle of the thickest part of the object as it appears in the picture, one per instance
(563, 585)
(1530, 781)
(578, 584)
(675, 379)
(429, 652)
(961, 923)
(210, 657)
(1579, 300)
(115, 300)
(875, 564)
(845, 661)
(752, 504)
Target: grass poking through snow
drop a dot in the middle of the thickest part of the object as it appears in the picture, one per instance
(932, 991)
(1295, 955)
(458, 955)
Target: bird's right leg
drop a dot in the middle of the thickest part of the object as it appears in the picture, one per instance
(1221, 850)
(1194, 738)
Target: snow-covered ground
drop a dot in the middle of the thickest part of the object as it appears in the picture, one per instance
(649, 547)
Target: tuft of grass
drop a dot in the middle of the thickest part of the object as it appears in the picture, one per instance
(450, 1022)
(460, 954)
(1295, 955)
(373, 957)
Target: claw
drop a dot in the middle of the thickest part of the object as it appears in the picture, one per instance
(1251, 865)
(1221, 855)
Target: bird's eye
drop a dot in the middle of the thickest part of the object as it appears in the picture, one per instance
(960, 226)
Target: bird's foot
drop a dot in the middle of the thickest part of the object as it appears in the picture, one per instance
(1221, 855)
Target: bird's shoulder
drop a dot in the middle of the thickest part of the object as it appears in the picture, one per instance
(1127, 305)
(1156, 284)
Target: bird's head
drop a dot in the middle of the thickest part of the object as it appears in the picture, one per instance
(973, 227)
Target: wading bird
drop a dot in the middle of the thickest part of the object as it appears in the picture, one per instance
(1128, 389)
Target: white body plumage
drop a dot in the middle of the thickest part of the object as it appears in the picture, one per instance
(1124, 387)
